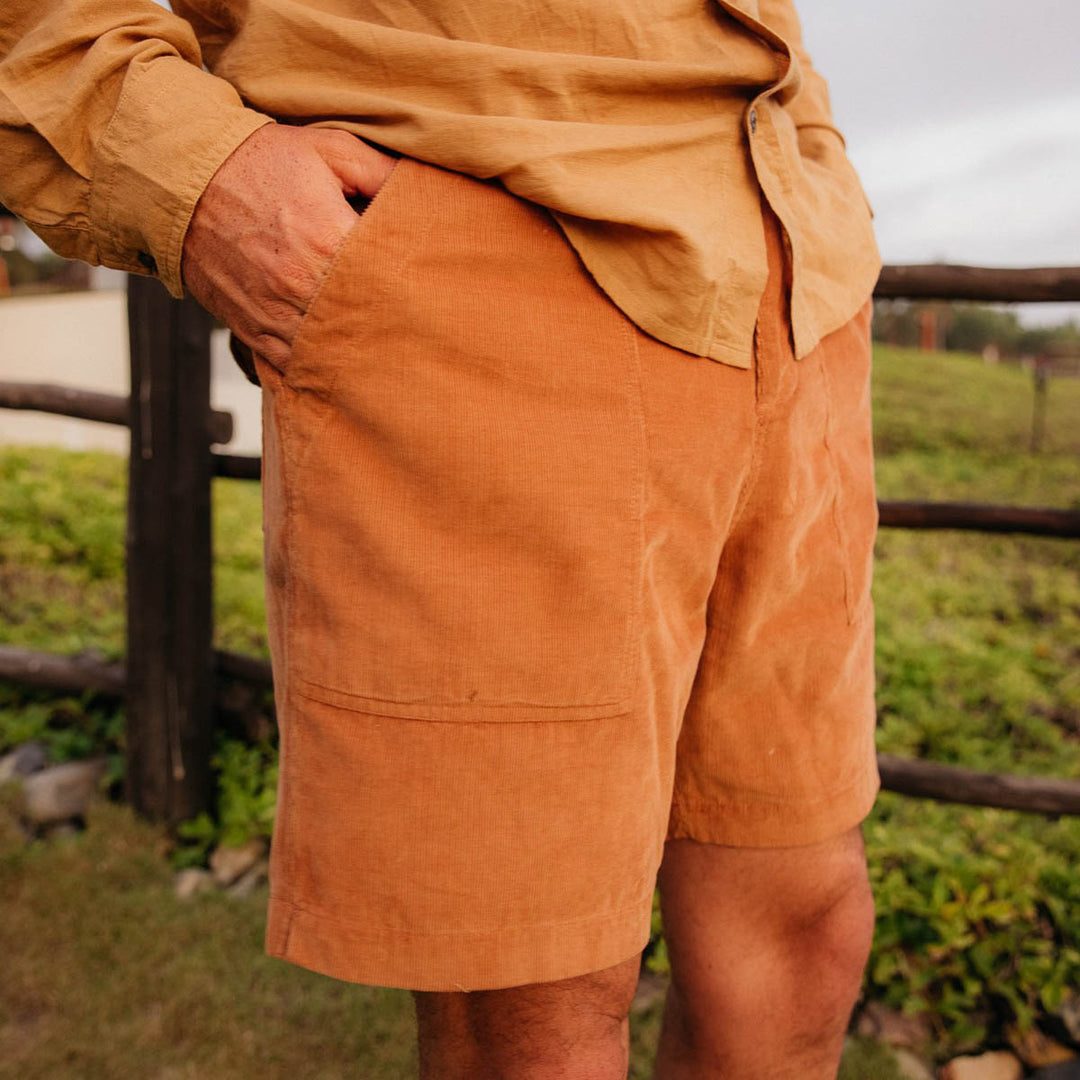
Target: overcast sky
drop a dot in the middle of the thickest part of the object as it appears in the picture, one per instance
(963, 118)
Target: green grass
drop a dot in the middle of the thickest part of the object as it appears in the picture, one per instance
(62, 554)
(107, 976)
(942, 402)
(978, 662)
(978, 636)
(978, 643)
(61, 550)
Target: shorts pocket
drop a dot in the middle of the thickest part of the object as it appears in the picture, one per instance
(257, 370)
(301, 387)
(304, 369)
(465, 530)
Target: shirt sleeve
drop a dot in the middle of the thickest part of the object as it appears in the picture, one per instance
(110, 129)
(811, 108)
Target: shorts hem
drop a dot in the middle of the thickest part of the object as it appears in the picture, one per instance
(775, 825)
(454, 960)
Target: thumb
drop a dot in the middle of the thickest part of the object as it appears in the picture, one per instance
(359, 168)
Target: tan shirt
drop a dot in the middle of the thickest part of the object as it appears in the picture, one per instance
(646, 126)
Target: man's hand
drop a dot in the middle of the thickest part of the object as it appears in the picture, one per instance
(268, 224)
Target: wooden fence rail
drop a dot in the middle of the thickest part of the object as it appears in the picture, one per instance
(1035, 521)
(237, 466)
(169, 677)
(90, 405)
(993, 286)
(949, 783)
(73, 674)
(70, 674)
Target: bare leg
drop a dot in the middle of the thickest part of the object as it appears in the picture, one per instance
(574, 1029)
(767, 950)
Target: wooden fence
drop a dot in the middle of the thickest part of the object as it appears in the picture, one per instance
(170, 676)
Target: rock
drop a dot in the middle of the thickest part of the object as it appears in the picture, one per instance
(886, 1025)
(251, 880)
(64, 830)
(191, 881)
(997, 1065)
(652, 988)
(1036, 1049)
(1069, 1070)
(62, 791)
(911, 1066)
(28, 758)
(1070, 1017)
(227, 864)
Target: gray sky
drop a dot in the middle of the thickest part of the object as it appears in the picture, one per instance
(963, 118)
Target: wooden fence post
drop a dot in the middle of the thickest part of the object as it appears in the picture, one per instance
(1041, 374)
(169, 607)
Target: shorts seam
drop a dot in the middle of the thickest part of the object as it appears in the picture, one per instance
(851, 608)
(635, 402)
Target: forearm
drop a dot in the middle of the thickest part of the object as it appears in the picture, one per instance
(109, 128)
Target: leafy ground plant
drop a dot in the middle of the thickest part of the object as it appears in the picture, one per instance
(247, 794)
(978, 917)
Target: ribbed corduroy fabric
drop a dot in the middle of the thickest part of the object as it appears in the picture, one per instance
(543, 591)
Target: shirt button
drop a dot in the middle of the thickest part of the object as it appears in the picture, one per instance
(148, 261)
(753, 121)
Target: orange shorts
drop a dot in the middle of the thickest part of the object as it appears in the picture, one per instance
(543, 592)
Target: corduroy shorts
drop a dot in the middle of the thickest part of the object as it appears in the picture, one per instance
(543, 592)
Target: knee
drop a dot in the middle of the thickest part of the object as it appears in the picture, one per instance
(800, 934)
(832, 933)
(778, 948)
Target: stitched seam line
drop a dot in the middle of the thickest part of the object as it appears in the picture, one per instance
(838, 525)
(367, 926)
(636, 410)
(761, 806)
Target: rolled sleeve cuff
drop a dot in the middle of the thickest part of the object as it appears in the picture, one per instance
(173, 127)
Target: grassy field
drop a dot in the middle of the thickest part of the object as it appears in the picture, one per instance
(106, 976)
(978, 650)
